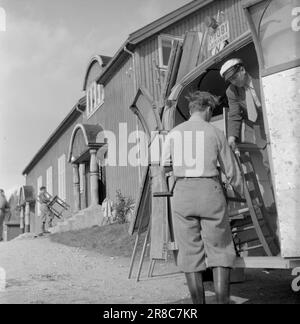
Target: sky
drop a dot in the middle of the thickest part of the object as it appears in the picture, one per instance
(44, 54)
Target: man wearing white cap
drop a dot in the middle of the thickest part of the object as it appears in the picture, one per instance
(244, 105)
(246, 123)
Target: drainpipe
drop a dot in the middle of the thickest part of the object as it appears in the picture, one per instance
(133, 63)
(137, 125)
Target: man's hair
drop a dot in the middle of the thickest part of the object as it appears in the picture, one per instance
(200, 100)
(43, 188)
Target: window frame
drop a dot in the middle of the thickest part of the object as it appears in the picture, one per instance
(62, 177)
(49, 180)
(94, 93)
(39, 185)
(162, 37)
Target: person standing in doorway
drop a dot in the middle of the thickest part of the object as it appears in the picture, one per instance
(245, 118)
(200, 217)
(244, 101)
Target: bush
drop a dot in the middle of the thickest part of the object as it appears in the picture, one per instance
(123, 207)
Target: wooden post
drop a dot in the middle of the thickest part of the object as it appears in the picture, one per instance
(133, 255)
(27, 217)
(143, 253)
(76, 185)
(22, 219)
(151, 268)
(82, 195)
(94, 176)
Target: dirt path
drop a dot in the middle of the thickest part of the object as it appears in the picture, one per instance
(40, 271)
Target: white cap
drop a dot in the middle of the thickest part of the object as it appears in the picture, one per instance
(230, 66)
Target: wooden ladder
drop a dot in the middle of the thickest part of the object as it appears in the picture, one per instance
(250, 226)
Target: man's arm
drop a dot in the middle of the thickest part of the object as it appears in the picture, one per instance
(235, 117)
(229, 165)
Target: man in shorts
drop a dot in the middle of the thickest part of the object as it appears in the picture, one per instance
(200, 218)
(46, 214)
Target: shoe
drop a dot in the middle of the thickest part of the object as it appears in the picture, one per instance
(38, 235)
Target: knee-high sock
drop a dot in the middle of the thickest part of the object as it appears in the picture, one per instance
(196, 288)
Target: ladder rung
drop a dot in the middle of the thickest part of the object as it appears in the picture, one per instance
(239, 212)
(268, 238)
(251, 248)
(250, 222)
(232, 199)
(249, 228)
(237, 218)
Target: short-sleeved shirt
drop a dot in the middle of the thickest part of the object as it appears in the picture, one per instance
(194, 149)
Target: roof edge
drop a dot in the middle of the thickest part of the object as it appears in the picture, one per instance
(149, 30)
(167, 20)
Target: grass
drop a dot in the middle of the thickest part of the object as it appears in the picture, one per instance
(111, 240)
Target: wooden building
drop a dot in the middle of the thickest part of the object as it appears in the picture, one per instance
(70, 164)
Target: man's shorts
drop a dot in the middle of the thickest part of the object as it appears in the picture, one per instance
(201, 225)
(45, 213)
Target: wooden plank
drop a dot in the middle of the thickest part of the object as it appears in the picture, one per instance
(190, 55)
(267, 263)
(174, 71)
(145, 109)
(142, 212)
(159, 218)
